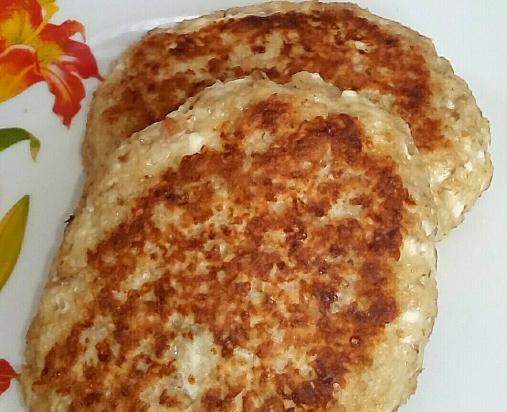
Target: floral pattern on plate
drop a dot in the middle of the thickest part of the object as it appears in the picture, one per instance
(33, 50)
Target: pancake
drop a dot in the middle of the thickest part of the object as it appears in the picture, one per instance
(263, 248)
(348, 46)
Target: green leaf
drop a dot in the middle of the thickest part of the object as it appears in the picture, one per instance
(13, 135)
(12, 232)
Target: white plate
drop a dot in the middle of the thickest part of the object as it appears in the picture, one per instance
(466, 360)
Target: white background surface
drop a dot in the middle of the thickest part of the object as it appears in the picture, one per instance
(466, 360)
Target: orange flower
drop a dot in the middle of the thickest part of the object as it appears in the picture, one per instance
(34, 50)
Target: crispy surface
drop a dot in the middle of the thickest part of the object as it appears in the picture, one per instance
(261, 249)
(348, 46)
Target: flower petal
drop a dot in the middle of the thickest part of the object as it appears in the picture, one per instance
(81, 59)
(18, 20)
(7, 373)
(18, 70)
(76, 56)
(61, 61)
(67, 88)
(71, 27)
(50, 8)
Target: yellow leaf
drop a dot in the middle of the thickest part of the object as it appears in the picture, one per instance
(12, 232)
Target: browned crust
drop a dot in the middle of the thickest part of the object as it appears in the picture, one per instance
(341, 343)
(347, 45)
(322, 257)
(314, 40)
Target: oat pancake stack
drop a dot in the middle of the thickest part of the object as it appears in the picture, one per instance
(265, 188)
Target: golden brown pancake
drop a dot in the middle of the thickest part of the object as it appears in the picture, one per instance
(263, 248)
(350, 48)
